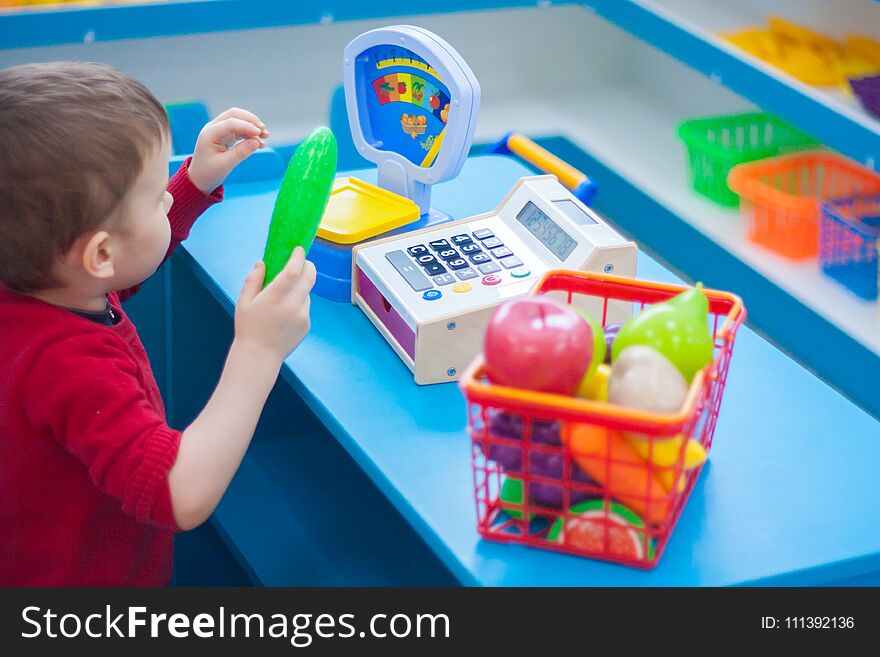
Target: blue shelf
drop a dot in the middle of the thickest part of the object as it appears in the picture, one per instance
(74, 25)
(846, 129)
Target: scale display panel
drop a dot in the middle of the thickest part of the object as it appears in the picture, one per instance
(412, 105)
(407, 106)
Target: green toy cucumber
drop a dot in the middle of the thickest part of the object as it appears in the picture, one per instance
(305, 190)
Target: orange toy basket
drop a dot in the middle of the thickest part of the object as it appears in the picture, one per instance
(780, 197)
(556, 472)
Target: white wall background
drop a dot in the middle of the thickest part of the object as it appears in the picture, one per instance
(287, 74)
(540, 69)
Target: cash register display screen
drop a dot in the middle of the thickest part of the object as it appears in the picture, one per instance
(546, 230)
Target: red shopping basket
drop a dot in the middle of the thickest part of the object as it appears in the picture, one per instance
(558, 472)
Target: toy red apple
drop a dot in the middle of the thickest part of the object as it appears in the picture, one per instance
(538, 344)
(434, 102)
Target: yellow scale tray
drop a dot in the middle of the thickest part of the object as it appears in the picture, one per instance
(359, 210)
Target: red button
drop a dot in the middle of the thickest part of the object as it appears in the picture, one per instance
(491, 279)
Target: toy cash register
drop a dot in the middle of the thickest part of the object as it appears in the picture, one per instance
(412, 105)
(431, 292)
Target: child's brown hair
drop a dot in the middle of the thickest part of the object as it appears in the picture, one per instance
(73, 138)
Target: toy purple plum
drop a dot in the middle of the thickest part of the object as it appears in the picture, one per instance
(542, 463)
(611, 332)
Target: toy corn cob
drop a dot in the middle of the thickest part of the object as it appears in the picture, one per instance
(302, 198)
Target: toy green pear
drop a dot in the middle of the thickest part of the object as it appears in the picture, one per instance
(677, 328)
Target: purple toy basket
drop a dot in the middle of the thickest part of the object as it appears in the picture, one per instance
(848, 239)
(868, 91)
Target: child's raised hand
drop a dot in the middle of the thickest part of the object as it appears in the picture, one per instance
(271, 322)
(224, 142)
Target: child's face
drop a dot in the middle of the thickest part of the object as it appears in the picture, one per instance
(141, 233)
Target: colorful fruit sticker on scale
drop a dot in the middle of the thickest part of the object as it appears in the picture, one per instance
(586, 527)
(302, 198)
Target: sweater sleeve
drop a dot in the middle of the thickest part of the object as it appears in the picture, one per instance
(84, 391)
(189, 204)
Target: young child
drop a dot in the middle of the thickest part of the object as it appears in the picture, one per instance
(93, 482)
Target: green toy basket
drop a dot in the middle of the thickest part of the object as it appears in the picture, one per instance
(716, 144)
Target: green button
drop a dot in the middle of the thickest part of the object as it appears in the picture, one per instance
(522, 272)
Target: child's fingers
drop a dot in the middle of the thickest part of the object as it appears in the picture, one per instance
(243, 149)
(253, 283)
(245, 115)
(240, 152)
(303, 285)
(286, 279)
(231, 129)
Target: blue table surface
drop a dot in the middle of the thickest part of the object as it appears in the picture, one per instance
(789, 495)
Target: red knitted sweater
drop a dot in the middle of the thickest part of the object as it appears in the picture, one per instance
(85, 450)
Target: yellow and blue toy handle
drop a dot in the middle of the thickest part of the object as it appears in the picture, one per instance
(514, 143)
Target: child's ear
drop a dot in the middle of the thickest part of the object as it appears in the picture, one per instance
(97, 256)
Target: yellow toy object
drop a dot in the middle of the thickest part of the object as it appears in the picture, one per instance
(760, 43)
(596, 387)
(666, 451)
(665, 455)
(808, 65)
(358, 210)
(807, 55)
(865, 48)
(803, 35)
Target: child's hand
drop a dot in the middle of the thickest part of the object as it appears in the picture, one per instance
(224, 142)
(272, 322)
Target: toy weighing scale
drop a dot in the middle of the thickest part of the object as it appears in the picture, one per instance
(412, 105)
(431, 292)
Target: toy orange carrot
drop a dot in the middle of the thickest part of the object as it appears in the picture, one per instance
(612, 461)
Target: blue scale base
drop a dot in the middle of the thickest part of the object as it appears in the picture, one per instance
(333, 261)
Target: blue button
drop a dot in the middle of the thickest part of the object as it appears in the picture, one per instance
(522, 272)
(432, 295)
